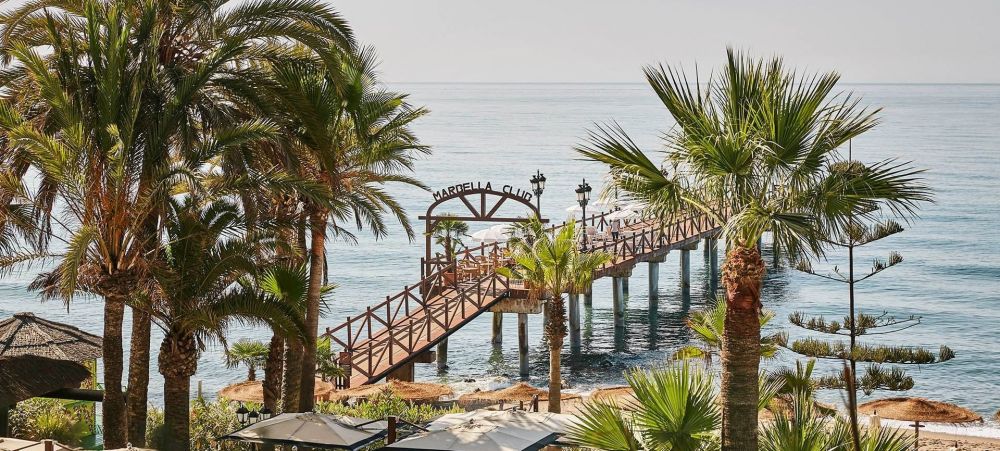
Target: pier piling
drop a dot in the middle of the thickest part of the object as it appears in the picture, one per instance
(574, 322)
(522, 343)
(442, 355)
(497, 328)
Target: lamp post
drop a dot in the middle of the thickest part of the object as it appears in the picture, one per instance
(266, 414)
(583, 197)
(538, 186)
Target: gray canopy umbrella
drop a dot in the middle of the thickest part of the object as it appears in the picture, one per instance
(478, 436)
(312, 430)
(556, 423)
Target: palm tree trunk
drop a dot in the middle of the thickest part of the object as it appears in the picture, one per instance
(742, 275)
(556, 329)
(272, 373)
(317, 261)
(293, 375)
(138, 378)
(178, 361)
(113, 405)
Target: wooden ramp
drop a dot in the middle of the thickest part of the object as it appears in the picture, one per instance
(395, 332)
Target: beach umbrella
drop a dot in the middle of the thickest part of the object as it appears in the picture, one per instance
(13, 444)
(312, 430)
(541, 421)
(410, 391)
(26, 334)
(27, 376)
(621, 215)
(520, 391)
(575, 210)
(478, 436)
(495, 234)
(606, 204)
(622, 396)
(253, 391)
(919, 410)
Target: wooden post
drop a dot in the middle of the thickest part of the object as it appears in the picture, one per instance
(685, 268)
(618, 300)
(390, 433)
(654, 281)
(442, 355)
(574, 322)
(47, 445)
(4, 420)
(522, 343)
(497, 328)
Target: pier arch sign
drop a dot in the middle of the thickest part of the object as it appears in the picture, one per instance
(481, 202)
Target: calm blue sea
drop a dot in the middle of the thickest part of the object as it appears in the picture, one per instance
(502, 133)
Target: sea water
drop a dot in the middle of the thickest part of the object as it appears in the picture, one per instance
(503, 133)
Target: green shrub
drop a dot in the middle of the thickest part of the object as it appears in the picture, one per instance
(44, 418)
(384, 405)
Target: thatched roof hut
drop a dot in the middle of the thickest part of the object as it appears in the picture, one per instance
(26, 334)
(28, 376)
(410, 391)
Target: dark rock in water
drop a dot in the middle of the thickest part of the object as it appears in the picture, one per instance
(470, 380)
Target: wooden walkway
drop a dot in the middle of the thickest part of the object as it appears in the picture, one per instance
(395, 332)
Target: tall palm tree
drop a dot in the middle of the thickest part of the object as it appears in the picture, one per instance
(203, 285)
(352, 138)
(754, 149)
(709, 327)
(448, 234)
(552, 263)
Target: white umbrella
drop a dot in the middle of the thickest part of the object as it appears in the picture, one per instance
(477, 436)
(541, 421)
(312, 430)
(575, 210)
(620, 215)
(495, 234)
(606, 203)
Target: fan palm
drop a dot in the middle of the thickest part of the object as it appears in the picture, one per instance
(448, 234)
(249, 353)
(203, 285)
(709, 328)
(676, 409)
(755, 150)
(552, 263)
(352, 138)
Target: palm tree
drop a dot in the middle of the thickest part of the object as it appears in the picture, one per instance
(249, 353)
(203, 285)
(754, 150)
(351, 138)
(552, 263)
(709, 327)
(676, 409)
(448, 234)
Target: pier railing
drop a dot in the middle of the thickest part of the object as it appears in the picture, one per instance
(413, 320)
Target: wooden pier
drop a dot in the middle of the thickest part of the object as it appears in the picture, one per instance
(388, 338)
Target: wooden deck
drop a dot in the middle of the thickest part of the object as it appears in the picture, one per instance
(395, 332)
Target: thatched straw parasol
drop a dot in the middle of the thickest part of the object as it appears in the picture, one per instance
(253, 391)
(919, 410)
(28, 376)
(784, 405)
(518, 392)
(410, 391)
(26, 334)
(623, 396)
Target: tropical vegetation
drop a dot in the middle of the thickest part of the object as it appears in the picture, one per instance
(134, 133)
(552, 262)
(756, 148)
(709, 326)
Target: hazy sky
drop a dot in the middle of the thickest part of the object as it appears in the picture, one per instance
(609, 41)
